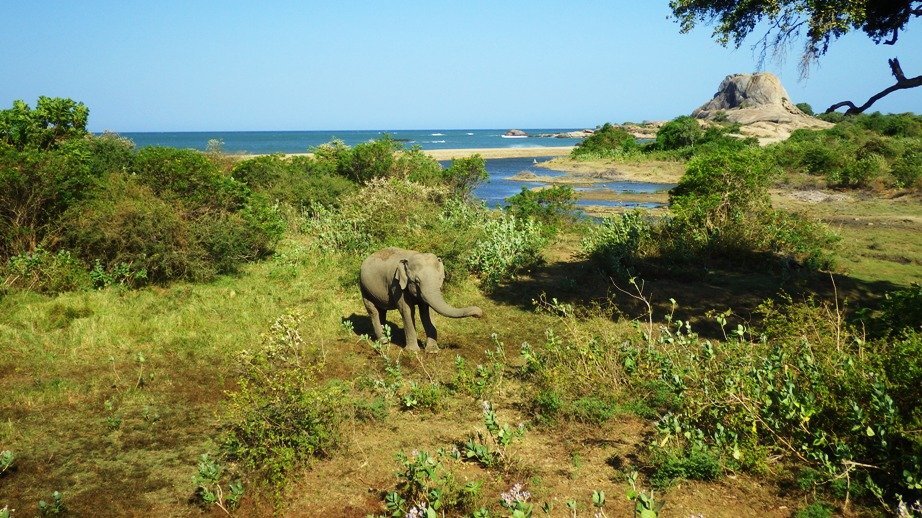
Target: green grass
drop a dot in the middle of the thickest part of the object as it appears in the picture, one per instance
(111, 396)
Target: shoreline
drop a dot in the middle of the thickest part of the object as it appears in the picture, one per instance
(451, 154)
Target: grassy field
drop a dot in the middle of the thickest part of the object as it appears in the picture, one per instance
(111, 396)
(241, 372)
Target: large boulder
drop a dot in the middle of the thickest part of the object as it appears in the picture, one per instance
(760, 104)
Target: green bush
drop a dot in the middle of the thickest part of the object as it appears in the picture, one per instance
(806, 108)
(125, 223)
(508, 246)
(233, 238)
(678, 133)
(36, 188)
(464, 174)
(188, 177)
(606, 141)
(907, 169)
(281, 416)
(45, 272)
(902, 309)
(54, 120)
(550, 206)
(618, 242)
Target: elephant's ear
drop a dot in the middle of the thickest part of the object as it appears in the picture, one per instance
(403, 274)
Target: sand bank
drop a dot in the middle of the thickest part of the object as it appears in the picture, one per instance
(503, 152)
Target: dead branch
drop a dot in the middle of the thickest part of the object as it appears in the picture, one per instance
(902, 83)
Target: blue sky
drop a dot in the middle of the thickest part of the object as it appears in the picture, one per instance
(301, 65)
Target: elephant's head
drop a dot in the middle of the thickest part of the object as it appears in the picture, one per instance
(422, 275)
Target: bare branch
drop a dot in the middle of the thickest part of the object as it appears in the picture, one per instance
(902, 83)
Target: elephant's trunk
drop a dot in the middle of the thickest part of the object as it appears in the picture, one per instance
(435, 300)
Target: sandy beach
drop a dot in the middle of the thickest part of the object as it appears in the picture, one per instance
(509, 152)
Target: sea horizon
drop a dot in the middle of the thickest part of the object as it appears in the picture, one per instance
(297, 141)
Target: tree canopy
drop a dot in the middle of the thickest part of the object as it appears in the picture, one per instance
(819, 22)
(54, 119)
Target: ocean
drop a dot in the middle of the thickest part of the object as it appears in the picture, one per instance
(265, 142)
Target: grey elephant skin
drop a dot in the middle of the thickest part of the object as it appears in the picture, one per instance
(400, 279)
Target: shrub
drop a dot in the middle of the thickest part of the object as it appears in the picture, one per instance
(53, 120)
(618, 241)
(36, 188)
(606, 141)
(508, 246)
(232, 238)
(126, 224)
(806, 108)
(369, 160)
(280, 416)
(188, 177)
(464, 174)
(549, 206)
(902, 309)
(907, 169)
(680, 132)
(45, 272)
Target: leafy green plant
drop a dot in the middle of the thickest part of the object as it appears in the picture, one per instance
(280, 416)
(427, 488)
(549, 206)
(6, 461)
(45, 272)
(501, 437)
(606, 141)
(508, 246)
(209, 490)
(644, 503)
(54, 507)
(53, 120)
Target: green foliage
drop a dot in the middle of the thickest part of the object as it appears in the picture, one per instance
(859, 152)
(902, 309)
(44, 272)
(645, 505)
(209, 488)
(427, 488)
(189, 178)
(549, 206)
(494, 452)
(606, 141)
(678, 133)
(806, 108)
(464, 174)
(618, 241)
(125, 223)
(815, 510)
(508, 246)
(734, 21)
(280, 416)
(53, 120)
(6, 461)
(36, 188)
(55, 507)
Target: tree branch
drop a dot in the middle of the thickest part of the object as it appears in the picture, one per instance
(902, 83)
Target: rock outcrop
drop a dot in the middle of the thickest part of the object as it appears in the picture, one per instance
(760, 104)
(515, 133)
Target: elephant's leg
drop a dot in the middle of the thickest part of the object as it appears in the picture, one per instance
(408, 312)
(432, 335)
(376, 315)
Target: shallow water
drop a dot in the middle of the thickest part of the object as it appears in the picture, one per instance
(495, 190)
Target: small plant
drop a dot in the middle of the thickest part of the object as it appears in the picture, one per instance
(501, 437)
(426, 488)
(209, 490)
(509, 246)
(6, 512)
(644, 503)
(6, 461)
(516, 501)
(55, 507)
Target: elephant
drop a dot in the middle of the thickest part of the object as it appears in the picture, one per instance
(394, 278)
